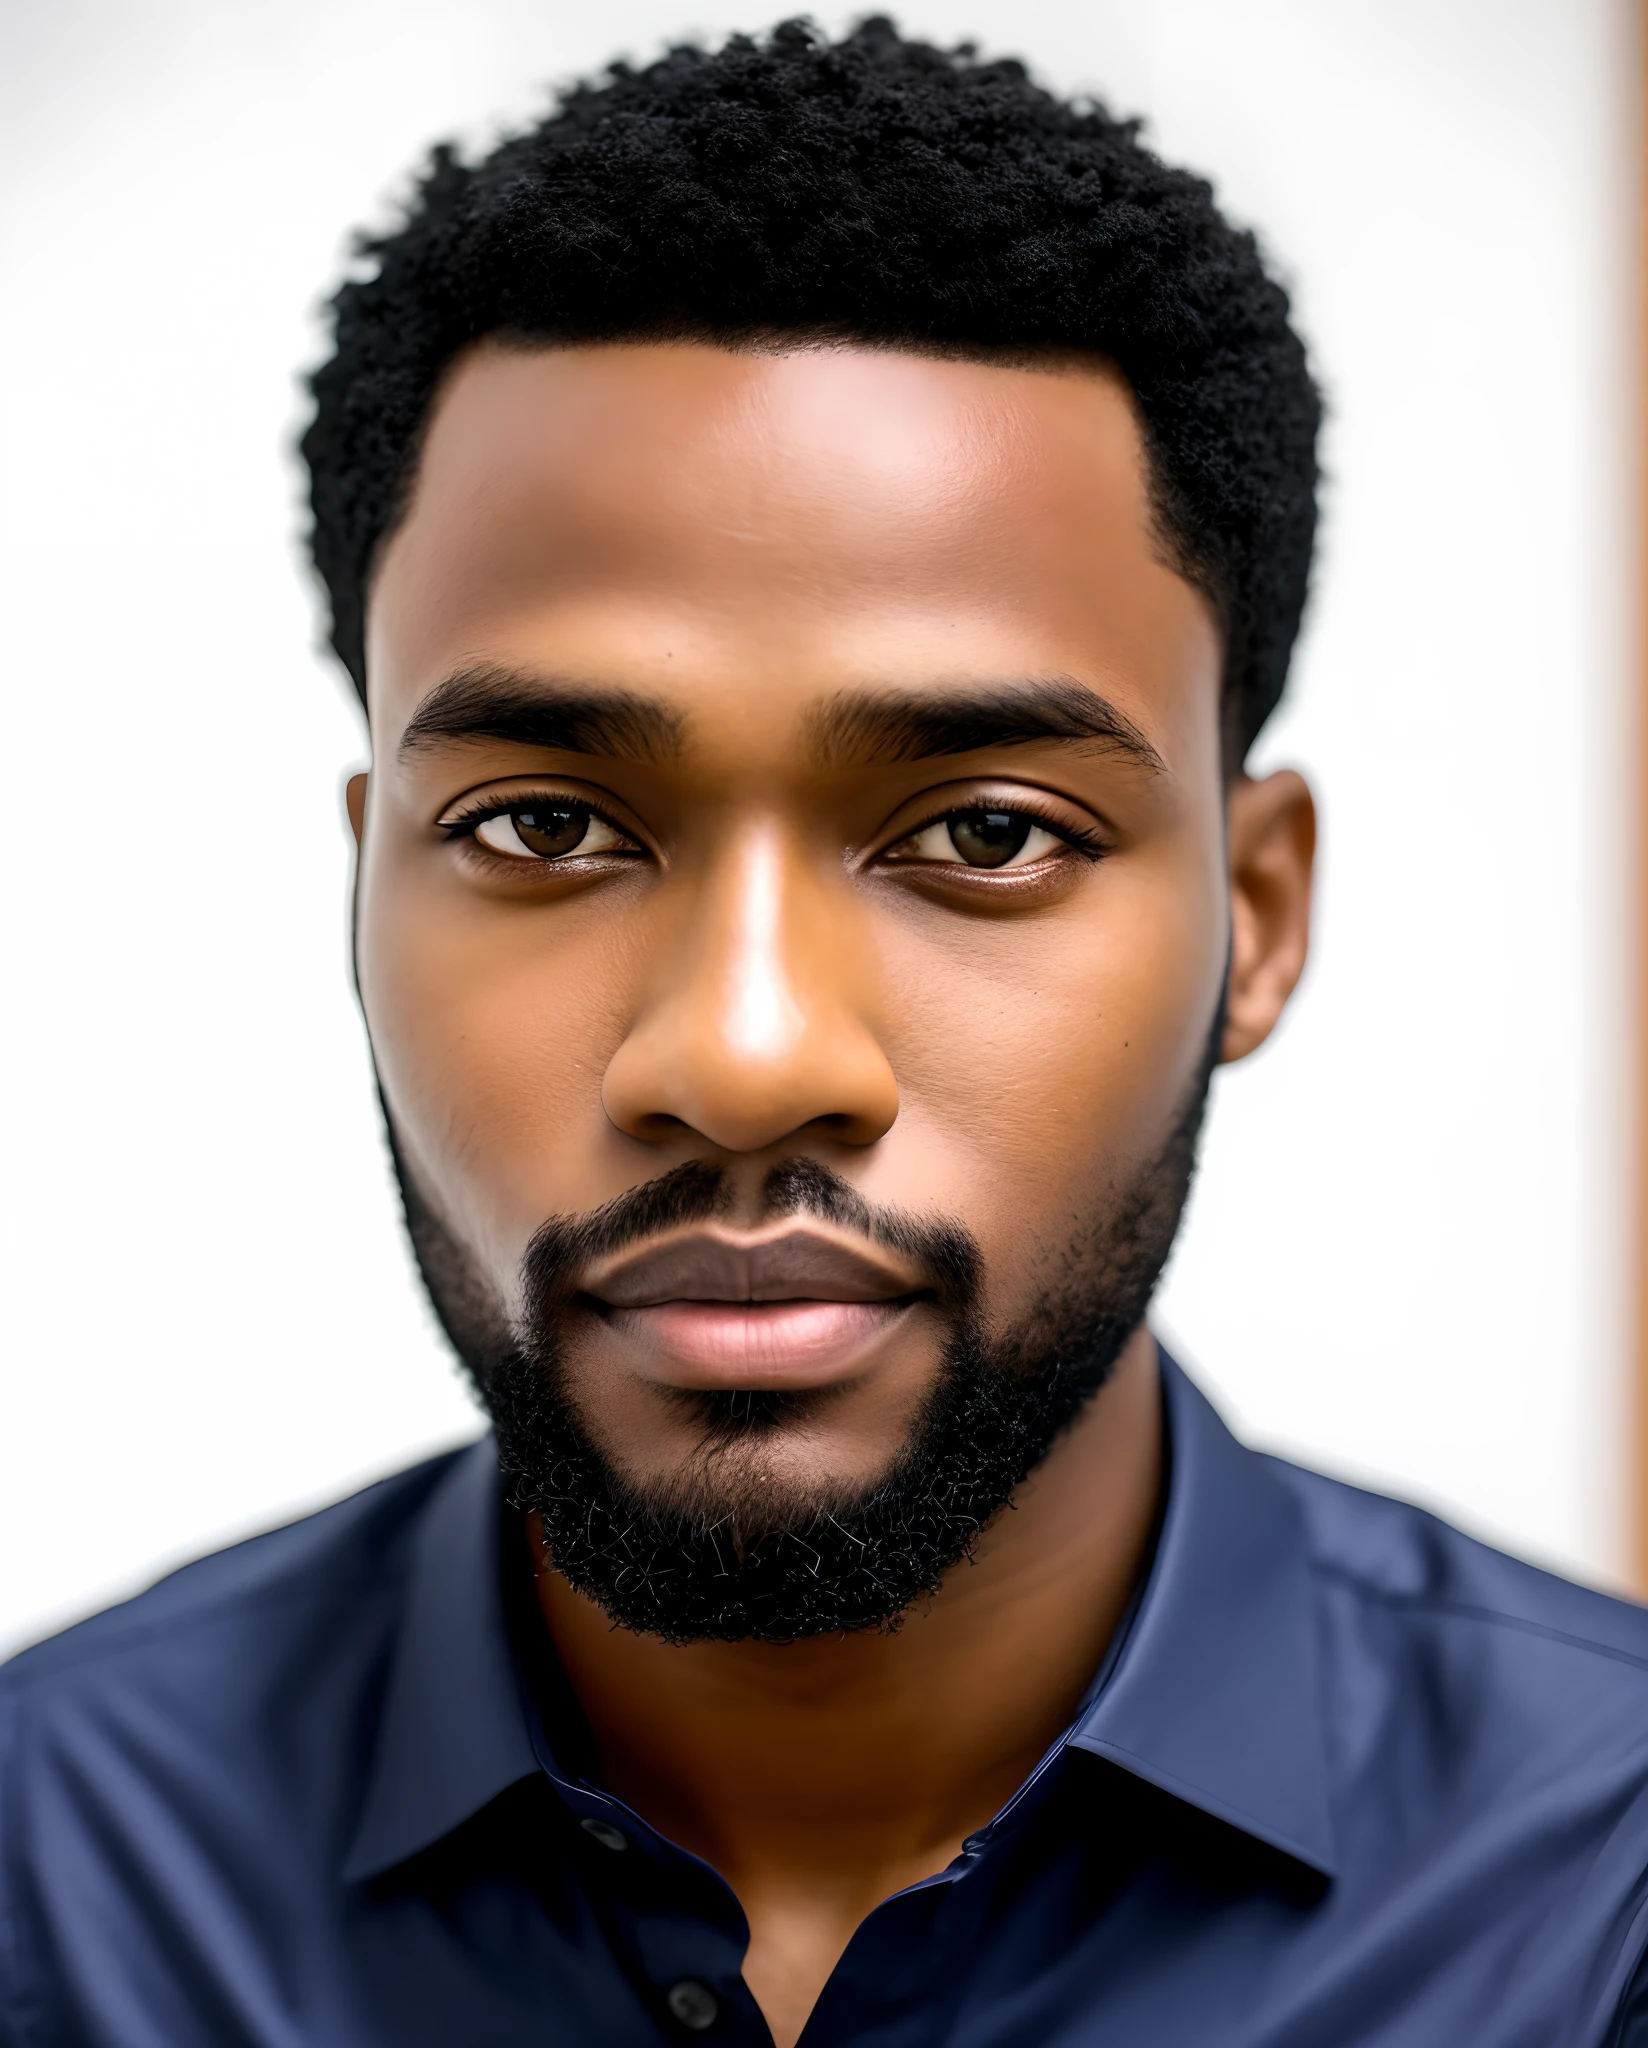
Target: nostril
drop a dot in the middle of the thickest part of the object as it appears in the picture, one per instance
(656, 1124)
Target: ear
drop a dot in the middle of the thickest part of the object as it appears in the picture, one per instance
(354, 802)
(1271, 837)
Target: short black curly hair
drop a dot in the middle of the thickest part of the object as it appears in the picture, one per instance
(873, 189)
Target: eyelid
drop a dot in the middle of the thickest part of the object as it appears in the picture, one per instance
(1091, 840)
(466, 812)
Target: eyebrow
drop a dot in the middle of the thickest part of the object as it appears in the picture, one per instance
(487, 701)
(862, 728)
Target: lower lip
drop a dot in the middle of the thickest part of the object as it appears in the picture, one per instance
(772, 1344)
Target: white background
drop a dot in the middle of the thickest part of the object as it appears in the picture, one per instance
(1407, 1257)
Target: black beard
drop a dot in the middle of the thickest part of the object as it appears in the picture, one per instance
(717, 1556)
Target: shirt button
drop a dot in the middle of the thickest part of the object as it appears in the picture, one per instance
(603, 1832)
(693, 2004)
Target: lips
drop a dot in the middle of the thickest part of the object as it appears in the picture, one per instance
(798, 1265)
(795, 1310)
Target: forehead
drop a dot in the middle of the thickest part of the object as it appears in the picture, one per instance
(704, 524)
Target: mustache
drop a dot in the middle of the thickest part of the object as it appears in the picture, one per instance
(700, 1191)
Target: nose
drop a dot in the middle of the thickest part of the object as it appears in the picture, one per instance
(753, 1025)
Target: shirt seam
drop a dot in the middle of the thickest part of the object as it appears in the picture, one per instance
(1467, 1610)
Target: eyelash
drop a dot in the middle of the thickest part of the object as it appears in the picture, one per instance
(1084, 843)
(464, 825)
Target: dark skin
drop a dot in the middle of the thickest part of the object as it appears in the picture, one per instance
(752, 642)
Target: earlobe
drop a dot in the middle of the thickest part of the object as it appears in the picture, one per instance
(354, 802)
(1271, 830)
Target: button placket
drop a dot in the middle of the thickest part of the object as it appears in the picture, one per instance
(605, 1833)
(695, 2005)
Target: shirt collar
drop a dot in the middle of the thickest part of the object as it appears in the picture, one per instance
(455, 1730)
(1214, 1696)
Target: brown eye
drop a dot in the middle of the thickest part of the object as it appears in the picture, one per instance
(548, 830)
(988, 839)
(981, 837)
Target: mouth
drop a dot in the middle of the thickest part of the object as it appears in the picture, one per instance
(798, 1309)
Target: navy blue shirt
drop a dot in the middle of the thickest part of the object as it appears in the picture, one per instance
(1347, 1778)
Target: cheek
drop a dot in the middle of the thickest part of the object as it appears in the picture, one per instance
(1049, 1060)
(491, 1042)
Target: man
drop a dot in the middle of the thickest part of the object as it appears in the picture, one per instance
(816, 529)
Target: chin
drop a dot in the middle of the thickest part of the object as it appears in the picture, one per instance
(758, 1461)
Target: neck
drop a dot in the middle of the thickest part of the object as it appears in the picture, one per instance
(821, 1776)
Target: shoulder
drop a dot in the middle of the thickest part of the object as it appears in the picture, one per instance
(1406, 1562)
(212, 1728)
(1485, 1732)
(1471, 1684)
(268, 1600)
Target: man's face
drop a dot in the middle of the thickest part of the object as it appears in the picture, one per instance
(784, 757)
